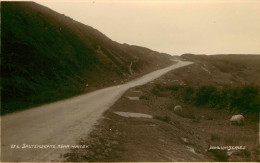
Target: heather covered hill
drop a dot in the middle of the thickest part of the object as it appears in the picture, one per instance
(47, 56)
(207, 97)
(228, 62)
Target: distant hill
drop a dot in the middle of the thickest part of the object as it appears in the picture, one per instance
(47, 56)
(228, 62)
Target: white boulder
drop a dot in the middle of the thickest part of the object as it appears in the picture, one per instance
(177, 108)
(237, 119)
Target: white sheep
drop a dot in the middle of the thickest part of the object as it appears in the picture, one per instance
(177, 108)
(237, 119)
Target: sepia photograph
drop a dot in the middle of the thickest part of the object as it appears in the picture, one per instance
(130, 81)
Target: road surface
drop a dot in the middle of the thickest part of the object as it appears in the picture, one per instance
(35, 134)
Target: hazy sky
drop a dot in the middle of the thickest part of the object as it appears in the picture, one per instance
(172, 26)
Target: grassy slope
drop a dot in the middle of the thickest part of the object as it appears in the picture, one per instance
(47, 56)
(117, 138)
(221, 81)
(223, 85)
(229, 63)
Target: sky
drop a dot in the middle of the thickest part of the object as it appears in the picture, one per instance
(172, 26)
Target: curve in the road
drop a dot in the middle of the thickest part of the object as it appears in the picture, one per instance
(61, 123)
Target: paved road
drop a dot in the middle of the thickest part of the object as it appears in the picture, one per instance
(61, 123)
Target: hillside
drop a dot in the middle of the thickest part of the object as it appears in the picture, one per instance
(209, 95)
(47, 56)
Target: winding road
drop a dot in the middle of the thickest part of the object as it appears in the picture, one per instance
(26, 134)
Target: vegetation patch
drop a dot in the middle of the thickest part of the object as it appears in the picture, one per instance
(242, 98)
